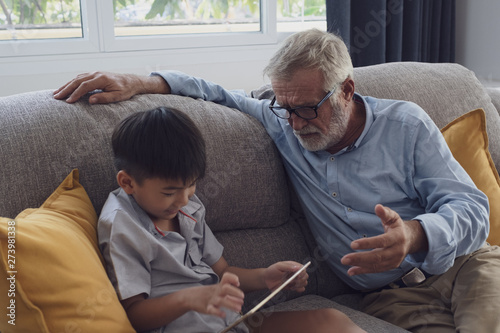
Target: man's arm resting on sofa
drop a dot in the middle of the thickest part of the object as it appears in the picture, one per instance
(114, 87)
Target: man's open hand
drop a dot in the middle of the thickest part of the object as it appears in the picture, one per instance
(387, 251)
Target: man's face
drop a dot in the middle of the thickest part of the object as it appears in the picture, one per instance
(306, 89)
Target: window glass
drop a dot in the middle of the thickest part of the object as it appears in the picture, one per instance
(160, 17)
(40, 19)
(297, 15)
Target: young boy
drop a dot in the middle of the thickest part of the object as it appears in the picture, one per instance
(163, 260)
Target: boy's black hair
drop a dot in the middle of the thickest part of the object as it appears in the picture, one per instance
(161, 143)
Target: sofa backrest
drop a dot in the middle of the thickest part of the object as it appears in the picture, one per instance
(494, 93)
(444, 91)
(43, 139)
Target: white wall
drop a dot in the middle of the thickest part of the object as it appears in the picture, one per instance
(478, 38)
(234, 67)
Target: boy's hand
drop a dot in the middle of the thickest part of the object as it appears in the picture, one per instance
(148, 313)
(225, 294)
(277, 273)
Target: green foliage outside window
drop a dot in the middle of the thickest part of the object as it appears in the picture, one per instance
(39, 12)
(64, 12)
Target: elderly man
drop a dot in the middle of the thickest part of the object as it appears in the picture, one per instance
(393, 212)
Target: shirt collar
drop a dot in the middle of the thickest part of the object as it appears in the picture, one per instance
(186, 219)
(193, 205)
(368, 123)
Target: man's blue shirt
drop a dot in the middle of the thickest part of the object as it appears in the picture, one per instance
(401, 160)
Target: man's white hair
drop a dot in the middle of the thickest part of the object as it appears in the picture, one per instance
(312, 49)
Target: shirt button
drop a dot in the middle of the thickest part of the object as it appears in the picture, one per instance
(332, 158)
(334, 194)
(349, 209)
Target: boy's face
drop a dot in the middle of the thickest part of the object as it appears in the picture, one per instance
(161, 199)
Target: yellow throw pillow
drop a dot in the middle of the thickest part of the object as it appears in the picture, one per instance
(52, 274)
(468, 141)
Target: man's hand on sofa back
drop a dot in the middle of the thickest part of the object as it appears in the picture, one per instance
(113, 87)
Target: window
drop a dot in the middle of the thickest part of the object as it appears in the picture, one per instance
(43, 27)
(40, 19)
(300, 15)
(150, 17)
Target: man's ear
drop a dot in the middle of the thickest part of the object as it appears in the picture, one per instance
(347, 90)
(126, 181)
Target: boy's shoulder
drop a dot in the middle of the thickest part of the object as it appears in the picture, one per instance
(117, 200)
(119, 205)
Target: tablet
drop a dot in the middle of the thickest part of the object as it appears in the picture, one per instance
(267, 299)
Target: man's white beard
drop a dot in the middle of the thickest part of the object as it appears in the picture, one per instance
(336, 131)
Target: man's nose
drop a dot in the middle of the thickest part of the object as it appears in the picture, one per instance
(296, 122)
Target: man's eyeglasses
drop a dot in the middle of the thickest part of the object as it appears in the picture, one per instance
(304, 112)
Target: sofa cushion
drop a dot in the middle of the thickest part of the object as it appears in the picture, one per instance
(468, 141)
(60, 283)
(309, 302)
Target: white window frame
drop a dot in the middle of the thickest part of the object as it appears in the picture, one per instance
(32, 47)
(98, 27)
(267, 35)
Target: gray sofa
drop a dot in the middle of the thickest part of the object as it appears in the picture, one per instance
(250, 204)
